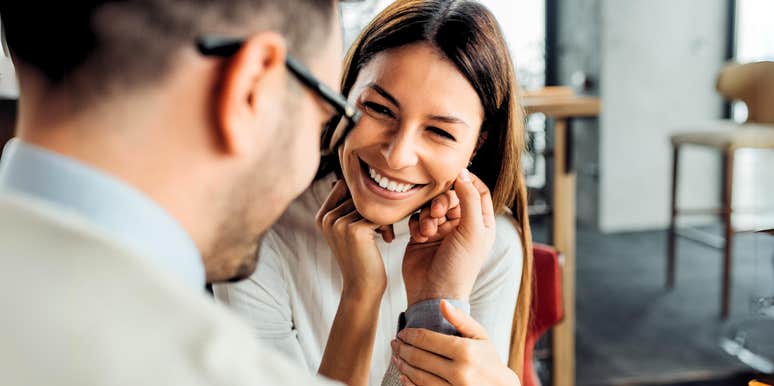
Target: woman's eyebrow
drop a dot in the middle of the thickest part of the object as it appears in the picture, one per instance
(383, 93)
(448, 119)
(393, 100)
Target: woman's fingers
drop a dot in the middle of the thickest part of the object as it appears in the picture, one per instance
(421, 359)
(463, 322)
(416, 235)
(335, 214)
(387, 232)
(447, 227)
(439, 206)
(487, 208)
(470, 200)
(435, 342)
(444, 230)
(337, 194)
(428, 225)
(443, 204)
(454, 213)
(418, 376)
(363, 223)
(342, 223)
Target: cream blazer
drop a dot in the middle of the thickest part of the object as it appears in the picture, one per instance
(78, 309)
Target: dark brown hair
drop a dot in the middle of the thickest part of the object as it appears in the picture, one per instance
(93, 46)
(467, 34)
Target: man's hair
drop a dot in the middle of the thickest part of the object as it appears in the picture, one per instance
(94, 46)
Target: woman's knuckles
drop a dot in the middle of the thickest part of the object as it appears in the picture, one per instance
(464, 375)
(465, 352)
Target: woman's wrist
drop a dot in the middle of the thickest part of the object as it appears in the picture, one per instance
(414, 297)
(361, 291)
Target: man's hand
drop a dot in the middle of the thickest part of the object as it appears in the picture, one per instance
(428, 358)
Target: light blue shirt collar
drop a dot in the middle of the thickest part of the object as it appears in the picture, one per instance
(124, 212)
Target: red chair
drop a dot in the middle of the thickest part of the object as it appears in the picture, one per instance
(547, 308)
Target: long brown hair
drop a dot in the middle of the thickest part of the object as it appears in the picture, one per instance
(467, 34)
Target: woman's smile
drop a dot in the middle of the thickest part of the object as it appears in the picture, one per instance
(383, 185)
(419, 128)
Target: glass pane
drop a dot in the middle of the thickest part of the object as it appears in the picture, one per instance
(8, 87)
(523, 25)
(754, 39)
(755, 30)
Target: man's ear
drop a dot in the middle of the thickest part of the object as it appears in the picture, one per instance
(253, 76)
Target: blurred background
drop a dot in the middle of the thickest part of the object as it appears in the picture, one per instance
(614, 92)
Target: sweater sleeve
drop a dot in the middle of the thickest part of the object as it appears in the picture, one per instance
(493, 300)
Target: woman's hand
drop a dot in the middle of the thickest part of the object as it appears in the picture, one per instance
(352, 241)
(427, 358)
(347, 355)
(449, 242)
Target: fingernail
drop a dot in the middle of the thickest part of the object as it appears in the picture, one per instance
(394, 345)
(394, 360)
(465, 175)
(403, 379)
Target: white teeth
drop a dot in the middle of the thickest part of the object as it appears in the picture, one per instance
(386, 183)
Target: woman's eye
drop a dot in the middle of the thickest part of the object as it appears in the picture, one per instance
(442, 133)
(378, 109)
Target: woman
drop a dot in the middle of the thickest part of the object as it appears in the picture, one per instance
(436, 87)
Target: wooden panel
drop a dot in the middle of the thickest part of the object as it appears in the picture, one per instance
(562, 106)
(548, 91)
(564, 241)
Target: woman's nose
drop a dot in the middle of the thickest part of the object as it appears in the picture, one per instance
(400, 151)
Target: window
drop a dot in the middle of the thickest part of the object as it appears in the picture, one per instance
(522, 22)
(754, 39)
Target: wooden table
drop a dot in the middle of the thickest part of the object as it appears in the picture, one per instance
(562, 107)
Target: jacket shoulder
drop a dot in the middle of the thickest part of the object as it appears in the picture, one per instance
(80, 307)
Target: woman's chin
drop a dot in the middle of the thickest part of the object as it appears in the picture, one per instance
(382, 216)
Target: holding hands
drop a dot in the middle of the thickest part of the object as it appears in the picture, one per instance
(449, 242)
(425, 357)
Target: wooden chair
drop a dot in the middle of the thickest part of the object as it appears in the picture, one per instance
(546, 305)
(752, 83)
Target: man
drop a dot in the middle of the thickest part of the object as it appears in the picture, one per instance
(143, 167)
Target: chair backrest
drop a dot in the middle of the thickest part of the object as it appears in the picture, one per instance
(752, 83)
(547, 308)
(548, 91)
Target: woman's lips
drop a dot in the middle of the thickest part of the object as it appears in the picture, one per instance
(374, 187)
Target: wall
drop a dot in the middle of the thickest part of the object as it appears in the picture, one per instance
(579, 45)
(659, 59)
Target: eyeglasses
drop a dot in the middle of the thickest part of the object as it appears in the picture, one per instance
(337, 129)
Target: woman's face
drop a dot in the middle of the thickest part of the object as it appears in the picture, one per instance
(419, 128)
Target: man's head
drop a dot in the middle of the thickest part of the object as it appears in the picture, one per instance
(224, 144)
